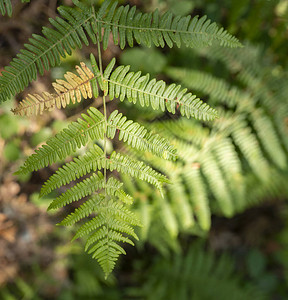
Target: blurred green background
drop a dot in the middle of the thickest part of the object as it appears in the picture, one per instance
(221, 232)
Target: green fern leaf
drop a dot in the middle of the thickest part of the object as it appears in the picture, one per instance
(249, 146)
(114, 188)
(217, 184)
(66, 141)
(77, 24)
(180, 204)
(218, 277)
(45, 52)
(80, 190)
(127, 25)
(136, 169)
(83, 211)
(92, 160)
(134, 87)
(198, 197)
(138, 137)
(106, 231)
(269, 138)
(218, 89)
(6, 7)
(224, 152)
(280, 115)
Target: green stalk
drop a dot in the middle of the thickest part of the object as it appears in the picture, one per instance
(105, 116)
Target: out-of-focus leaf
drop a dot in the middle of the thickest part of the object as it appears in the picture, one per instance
(256, 263)
(147, 60)
(41, 136)
(12, 151)
(8, 126)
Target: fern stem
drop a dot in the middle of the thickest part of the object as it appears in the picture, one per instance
(105, 117)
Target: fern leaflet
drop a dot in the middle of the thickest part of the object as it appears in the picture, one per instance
(66, 141)
(6, 7)
(72, 89)
(80, 190)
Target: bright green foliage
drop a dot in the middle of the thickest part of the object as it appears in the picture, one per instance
(106, 231)
(80, 190)
(76, 25)
(106, 220)
(111, 227)
(92, 160)
(138, 137)
(128, 25)
(95, 160)
(83, 211)
(78, 133)
(132, 86)
(45, 52)
(67, 141)
(137, 169)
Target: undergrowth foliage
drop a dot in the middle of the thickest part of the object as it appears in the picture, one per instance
(231, 164)
(108, 221)
(217, 275)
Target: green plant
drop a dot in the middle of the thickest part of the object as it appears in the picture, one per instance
(184, 276)
(226, 167)
(6, 7)
(113, 222)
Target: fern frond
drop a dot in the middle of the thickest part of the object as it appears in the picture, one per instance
(249, 146)
(106, 231)
(218, 89)
(248, 68)
(136, 169)
(127, 26)
(74, 27)
(45, 52)
(80, 190)
(74, 88)
(66, 141)
(167, 215)
(269, 138)
(198, 197)
(138, 137)
(184, 129)
(218, 277)
(83, 211)
(92, 160)
(6, 7)
(279, 119)
(224, 152)
(217, 184)
(181, 205)
(95, 160)
(124, 84)
(114, 188)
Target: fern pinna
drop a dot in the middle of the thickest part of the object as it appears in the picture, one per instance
(109, 222)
